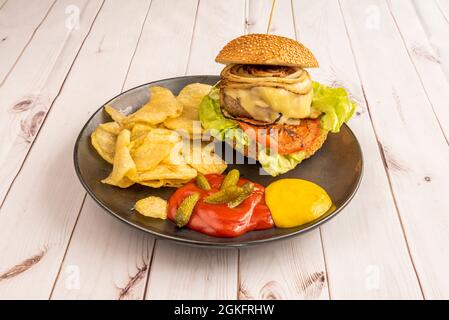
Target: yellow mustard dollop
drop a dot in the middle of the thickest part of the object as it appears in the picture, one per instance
(294, 202)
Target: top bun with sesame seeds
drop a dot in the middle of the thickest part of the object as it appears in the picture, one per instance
(267, 49)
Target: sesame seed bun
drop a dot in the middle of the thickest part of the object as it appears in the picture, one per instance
(267, 49)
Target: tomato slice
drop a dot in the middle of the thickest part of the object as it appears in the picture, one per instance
(286, 138)
(260, 134)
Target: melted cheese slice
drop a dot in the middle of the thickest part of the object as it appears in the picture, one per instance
(265, 103)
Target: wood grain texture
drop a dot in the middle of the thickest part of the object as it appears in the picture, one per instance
(48, 196)
(415, 149)
(106, 259)
(132, 261)
(164, 46)
(116, 265)
(17, 27)
(290, 269)
(427, 49)
(433, 16)
(182, 272)
(258, 15)
(215, 270)
(354, 242)
(2, 3)
(443, 5)
(35, 82)
(217, 23)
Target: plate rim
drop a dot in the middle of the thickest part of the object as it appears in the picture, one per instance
(200, 243)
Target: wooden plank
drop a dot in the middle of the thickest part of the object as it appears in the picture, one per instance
(443, 5)
(37, 218)
(116, 264)
(19, 20)
(156, 58)
(290, 269)
(181, 272)
(434, 19)
(217, 23)
(106, 259)
(366, 255)
(408, 134)
(35, 81)
(258, 16)
(428, 64)
(2, 3)
(145, 67)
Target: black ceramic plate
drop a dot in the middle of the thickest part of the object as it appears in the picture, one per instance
(337, 167)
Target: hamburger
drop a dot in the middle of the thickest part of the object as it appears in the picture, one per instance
(266, 104)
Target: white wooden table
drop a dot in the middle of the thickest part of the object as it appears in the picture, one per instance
(61, 59)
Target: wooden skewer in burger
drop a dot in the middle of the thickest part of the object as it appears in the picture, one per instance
(267, 99)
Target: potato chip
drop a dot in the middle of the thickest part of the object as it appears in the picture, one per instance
(187, 122)
(192, 94)
(123, 163)
(112, 127)
(150, 152)
(116, 115)
(176, 183)
(155, 146)
(104, 142)
(165, 171)
(152, 183)
(153, 207)
(161, 106)
(164, 135)
(202, 157)
(175, 157)
(125, 182)
(139, 130)
(190, 97)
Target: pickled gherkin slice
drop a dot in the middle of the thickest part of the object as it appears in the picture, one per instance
(185, 209)
(202, 182)
(231, 179)
(248, 188)
(224, 195)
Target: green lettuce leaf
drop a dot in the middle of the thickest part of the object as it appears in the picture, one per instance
(276, 164)
(335, 105)
(212, 118)
(237, 135)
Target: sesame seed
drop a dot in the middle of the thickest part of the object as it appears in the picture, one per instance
(261, 48)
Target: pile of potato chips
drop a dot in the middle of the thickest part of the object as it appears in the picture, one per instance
(159, 144)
